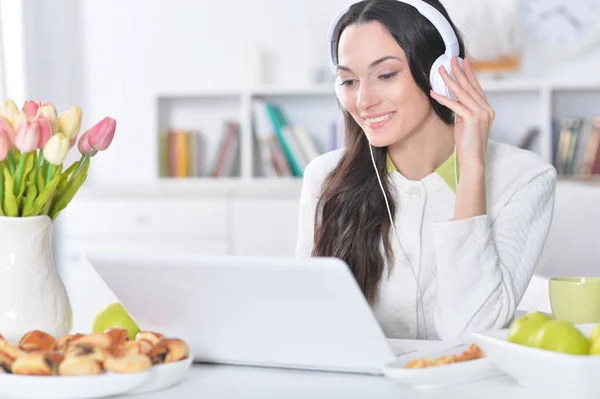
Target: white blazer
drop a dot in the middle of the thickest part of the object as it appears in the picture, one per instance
(473, 272)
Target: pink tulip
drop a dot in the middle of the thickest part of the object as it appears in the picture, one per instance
(45, 130)
(28, 135)
(5, 145)
(84, 146)
(49, 111)
(31, 108)
(7, 129)
(101, 134)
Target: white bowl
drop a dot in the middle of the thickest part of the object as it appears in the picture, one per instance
(575, 376)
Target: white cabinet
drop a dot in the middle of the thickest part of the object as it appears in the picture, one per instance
(137, 223)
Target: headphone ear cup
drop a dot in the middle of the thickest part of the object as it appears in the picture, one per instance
(435, 77)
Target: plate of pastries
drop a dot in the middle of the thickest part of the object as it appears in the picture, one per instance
(440, 368)
(91, 365)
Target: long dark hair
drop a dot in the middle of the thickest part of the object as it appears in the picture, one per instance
(351, 221)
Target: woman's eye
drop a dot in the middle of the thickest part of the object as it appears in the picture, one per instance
(387, 76)
(347, 82)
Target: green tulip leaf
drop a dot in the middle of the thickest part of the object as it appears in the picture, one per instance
(27, 169)
(64, 179)
(65, 196)
(46, 196)
(10, 202)
(39, 181)
(29, 199)
(30, 195)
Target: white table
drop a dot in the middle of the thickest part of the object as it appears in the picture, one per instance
(228, 382)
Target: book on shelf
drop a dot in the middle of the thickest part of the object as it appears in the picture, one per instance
(283, 148)
(182, 155)
(577, 146)
(529, 138)
(227, 158)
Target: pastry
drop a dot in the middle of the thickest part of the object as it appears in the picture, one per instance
(80, 365)
(37, 340)
(127, 364)
(99, 340)
(131, 348)
(40, 354)
(11, 350)
(77, 349)
(118, 336)
(37, 363)
(6, 362)
(151, 337)
(169, 350)
(63, 342)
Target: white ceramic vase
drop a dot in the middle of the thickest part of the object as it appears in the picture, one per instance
(32, 294)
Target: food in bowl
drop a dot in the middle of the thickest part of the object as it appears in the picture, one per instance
(545, 332)
(38, 353)
(525, 328)
(474, 352)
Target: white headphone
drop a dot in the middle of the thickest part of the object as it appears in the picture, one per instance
(437, 84)
(443, 27)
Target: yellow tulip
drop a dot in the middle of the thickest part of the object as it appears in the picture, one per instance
(49, 112)
(56, 149)
(10, 112)
(69, 122)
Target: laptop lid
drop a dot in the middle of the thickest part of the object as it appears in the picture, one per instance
(265, 311)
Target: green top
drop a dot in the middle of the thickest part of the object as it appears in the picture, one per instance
(445, 170)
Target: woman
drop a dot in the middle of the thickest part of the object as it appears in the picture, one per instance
(470, 215)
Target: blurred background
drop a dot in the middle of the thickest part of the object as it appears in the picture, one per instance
(220, 106)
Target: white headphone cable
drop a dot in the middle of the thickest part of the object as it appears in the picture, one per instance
(419, 294)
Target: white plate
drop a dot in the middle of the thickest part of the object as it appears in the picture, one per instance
(165, 376)
(439, 376)
(541, 370)
(96, 386)
(70, 387)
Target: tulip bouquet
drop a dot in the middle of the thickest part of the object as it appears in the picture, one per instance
(34, 143)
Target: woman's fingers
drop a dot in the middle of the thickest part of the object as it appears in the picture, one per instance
(463, 81)
(466, 84)
(455, 106)
(470, 75)
(465, 93)
(461, 94)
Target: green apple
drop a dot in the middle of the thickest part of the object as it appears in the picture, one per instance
(595, 347)
(523, 330)
(595, 334)
(115, 316)
(562, 336)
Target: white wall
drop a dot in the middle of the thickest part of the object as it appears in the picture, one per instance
(113, 56)
(182, 45)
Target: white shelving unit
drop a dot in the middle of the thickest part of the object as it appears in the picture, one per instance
(519, 105)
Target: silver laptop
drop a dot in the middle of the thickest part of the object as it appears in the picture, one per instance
(260, 311)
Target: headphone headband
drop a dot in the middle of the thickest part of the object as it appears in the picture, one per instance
(428, 11)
